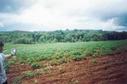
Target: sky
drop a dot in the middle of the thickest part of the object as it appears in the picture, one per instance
(50, 15)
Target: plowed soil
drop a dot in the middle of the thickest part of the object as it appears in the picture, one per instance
(110, 69)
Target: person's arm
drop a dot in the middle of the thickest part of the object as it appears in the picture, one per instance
(13, 54)
(8, 56)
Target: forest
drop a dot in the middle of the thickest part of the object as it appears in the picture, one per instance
(25, 37)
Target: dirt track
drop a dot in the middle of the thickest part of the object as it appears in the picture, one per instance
(102, 70)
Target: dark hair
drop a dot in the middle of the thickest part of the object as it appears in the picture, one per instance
(1, 43)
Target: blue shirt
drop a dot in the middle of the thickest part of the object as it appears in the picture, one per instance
(3, 76)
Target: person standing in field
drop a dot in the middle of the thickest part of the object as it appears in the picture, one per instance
(3, 77)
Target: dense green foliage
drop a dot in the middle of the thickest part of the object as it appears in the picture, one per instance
(63, 51)
(22, 37)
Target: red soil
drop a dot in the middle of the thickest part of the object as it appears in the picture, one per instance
(16, 70)
(102, 70)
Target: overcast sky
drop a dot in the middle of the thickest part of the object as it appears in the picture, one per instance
(48, 15)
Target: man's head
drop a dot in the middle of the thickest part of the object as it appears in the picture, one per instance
(1, 46)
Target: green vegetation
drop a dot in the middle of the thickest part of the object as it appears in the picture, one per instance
(63, 52)
(22, 37)
(30, 74)
(35, 65)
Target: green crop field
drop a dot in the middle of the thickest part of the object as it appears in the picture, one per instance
(48, 51)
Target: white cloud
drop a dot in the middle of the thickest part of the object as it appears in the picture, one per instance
(1, 24)
(83, 14)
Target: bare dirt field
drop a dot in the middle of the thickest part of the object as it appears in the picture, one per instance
(110, 69)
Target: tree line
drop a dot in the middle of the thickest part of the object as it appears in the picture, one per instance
(24, 37)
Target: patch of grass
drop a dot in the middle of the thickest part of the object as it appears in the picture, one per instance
(78, 57)
(30, 74)
(59, 61)
(35, 65)
(18, 80)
